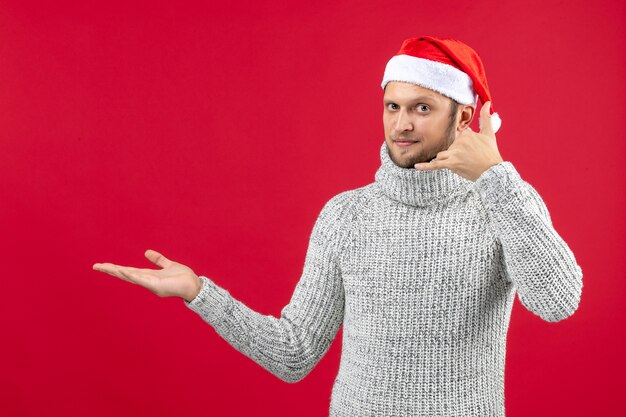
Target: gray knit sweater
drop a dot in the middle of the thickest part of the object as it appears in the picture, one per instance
(421, 268)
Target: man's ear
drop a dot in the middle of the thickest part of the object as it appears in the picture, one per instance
(466, 117)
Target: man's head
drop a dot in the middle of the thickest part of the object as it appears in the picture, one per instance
(431, 90)
(420, 122)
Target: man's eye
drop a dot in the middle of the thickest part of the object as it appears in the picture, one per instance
(422, 107)
(392, 106)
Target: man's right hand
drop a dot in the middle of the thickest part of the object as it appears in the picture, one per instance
(174, 280)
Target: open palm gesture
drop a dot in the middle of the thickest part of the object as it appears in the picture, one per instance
(174, 280)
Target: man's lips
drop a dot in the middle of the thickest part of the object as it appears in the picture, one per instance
(404, 142)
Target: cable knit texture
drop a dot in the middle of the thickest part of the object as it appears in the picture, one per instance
(421, 268)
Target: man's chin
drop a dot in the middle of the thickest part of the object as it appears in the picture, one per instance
(404, 162)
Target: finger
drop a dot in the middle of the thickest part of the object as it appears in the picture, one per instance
(429, 166)
(107, 267)
(115, 270)
(485, 120)
(157, 259)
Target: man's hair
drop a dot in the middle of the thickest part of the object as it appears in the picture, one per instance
(454, 108)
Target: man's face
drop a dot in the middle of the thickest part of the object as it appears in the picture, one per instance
(420, 117)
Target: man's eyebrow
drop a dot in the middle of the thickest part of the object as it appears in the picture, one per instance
(418, 98)
(433, 98)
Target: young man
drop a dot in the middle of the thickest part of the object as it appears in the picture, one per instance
(421, 266)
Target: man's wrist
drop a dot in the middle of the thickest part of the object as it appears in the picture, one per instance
(498, 183)
(195, 289)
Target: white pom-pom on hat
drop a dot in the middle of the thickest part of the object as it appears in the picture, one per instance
(496, 122)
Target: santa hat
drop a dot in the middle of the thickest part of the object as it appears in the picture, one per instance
(445, 65)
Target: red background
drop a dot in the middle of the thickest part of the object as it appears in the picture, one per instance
(216, 133)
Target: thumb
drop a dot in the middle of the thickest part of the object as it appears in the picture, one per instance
(157, 259)
(486, 128)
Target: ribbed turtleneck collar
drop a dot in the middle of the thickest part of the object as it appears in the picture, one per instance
(415, 187)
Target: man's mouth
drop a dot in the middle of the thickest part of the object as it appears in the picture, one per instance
(404, 142)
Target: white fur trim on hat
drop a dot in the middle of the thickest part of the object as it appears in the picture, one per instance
(443, 78)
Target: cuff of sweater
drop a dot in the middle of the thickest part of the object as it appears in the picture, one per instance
(212, 302)
(498, 183)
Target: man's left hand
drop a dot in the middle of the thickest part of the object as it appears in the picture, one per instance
(471, 153)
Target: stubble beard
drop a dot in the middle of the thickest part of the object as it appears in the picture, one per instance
(449, 136)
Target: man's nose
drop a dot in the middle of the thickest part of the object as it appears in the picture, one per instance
(403, 122)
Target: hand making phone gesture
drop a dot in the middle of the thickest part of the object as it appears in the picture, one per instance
(174, 280)
(471, 153)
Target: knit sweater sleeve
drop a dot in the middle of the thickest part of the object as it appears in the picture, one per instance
(536, 259)
(289, 346)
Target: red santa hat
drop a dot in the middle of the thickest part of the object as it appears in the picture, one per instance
(445, 65)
